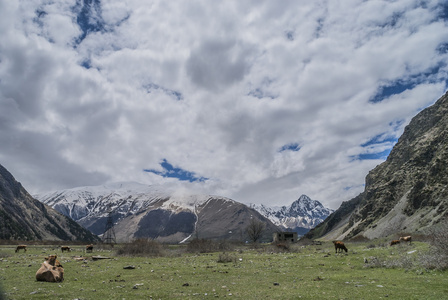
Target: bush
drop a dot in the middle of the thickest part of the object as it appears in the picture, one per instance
(225, 257)
(405, 262)
(141, 247)
(207, 246)
(281, 247)
(437, 257)
(200, 246)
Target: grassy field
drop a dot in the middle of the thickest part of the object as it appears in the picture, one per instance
(311, 272)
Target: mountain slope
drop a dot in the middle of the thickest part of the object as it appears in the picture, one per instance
(24, 218)
(302, 215)
(406, 193)
(152, 212)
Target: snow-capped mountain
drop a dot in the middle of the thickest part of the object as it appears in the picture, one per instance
(153, 211)
(301, 216)
(121, 198)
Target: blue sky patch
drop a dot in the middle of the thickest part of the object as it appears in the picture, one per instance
(395, 88)
(380, 155)
(444, 11)
(260, 94)
(401, 85)
(379, 139)
(172, 172)
(442, 48)
(89, 17)
(290, 147)
(152, 86)
(86, 64)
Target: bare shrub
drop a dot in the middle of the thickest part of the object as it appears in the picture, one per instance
(439, 237)
(370, 246)
(437, 257)
(226, 257)
(405, 262)
(225, 245)
(359, 239)
(434, 260)
(280, 247)
(201, 246)
(207, 246)
(141, 247)
(374, 262)
(255, 230)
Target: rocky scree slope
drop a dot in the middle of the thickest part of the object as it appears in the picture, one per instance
(407, 193)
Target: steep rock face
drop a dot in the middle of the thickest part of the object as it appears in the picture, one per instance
(302, 215)
(24, 218)
(406, 193)
(141, 211)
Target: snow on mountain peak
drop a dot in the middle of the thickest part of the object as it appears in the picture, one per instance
(304, 213)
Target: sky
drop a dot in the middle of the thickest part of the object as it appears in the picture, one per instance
(258, 101)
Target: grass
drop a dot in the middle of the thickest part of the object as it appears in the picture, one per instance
(313, 272)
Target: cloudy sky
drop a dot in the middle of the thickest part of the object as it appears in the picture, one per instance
(259, 101)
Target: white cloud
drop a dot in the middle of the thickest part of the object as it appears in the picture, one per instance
(216, 89)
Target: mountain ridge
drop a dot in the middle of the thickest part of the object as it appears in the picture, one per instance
(152, 212)
(300, 216)
(406, 193)
(24, 218)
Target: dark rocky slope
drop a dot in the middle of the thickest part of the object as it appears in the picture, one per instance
(24, 218)
(406, 193)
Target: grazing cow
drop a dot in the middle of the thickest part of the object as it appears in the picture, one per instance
(65, 248)
(406, 239)
(339, 246)
(51, 270)
(394, 242)
(89, 248)
(21, 247)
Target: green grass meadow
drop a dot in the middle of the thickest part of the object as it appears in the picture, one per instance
(306, 272)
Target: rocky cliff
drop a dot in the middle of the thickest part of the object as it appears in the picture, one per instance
(24, 218)
(406, 193)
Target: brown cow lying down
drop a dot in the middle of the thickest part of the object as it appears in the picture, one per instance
(21, 247)
(406, 239)
(65, 248)
(339, 246)
(394, 242)
(51, 270)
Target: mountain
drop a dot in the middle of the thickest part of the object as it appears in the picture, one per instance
(90, 206)
(145, 211)
(406, 193)
(302, 215)
(24, 218)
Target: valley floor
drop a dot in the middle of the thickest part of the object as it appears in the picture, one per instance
(306, 272)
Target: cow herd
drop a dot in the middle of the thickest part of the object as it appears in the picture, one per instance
(51, 269)
(402, 239)
(340, 247)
